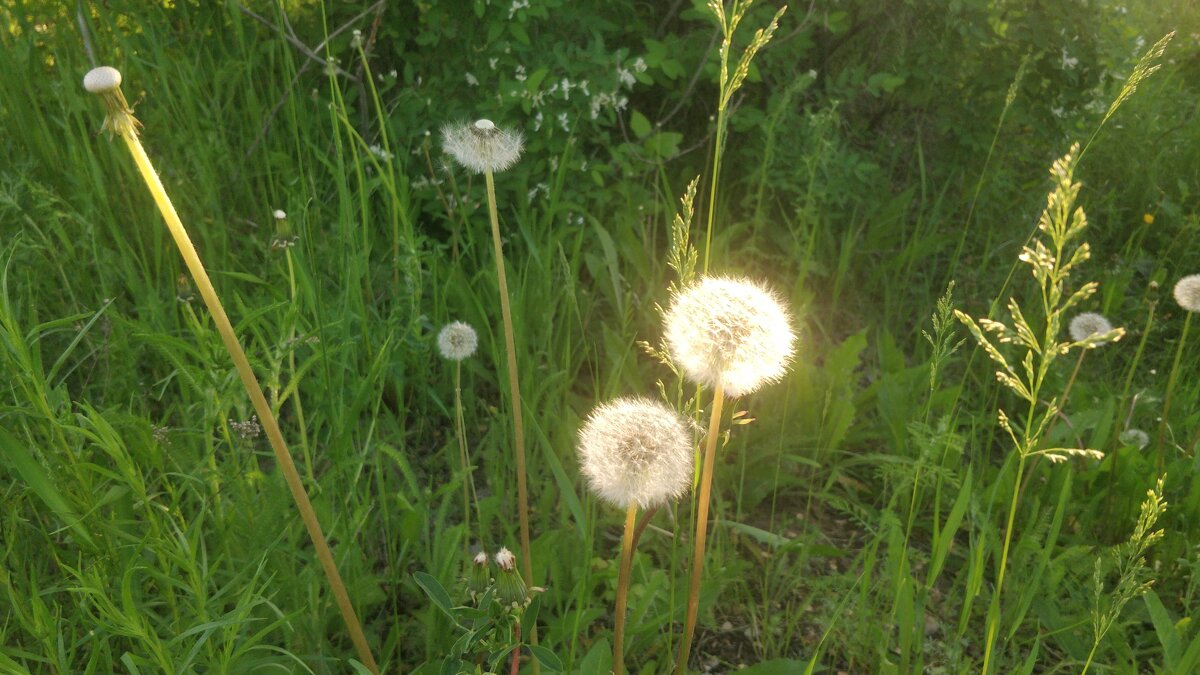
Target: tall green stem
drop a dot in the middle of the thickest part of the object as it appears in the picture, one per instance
(702, 499)
(623, 574)
(1171, 379)
(716, 172)
(994, 611)
(514, 391)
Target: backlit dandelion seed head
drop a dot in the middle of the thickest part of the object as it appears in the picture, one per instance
(729, 330)
(1187, 292)
(1087, 325)
(457, 341)
(634, 450)
(1135, 438)
(482, 146)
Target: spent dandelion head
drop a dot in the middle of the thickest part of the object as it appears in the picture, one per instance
(731, 331)
(634, 450)
(510, 587)
(1135, 438)
(481, 146)
(457, 341)
(105, 82)
(1089, 325)
(1187, 292)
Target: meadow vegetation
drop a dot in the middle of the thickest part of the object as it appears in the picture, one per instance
(974, 447)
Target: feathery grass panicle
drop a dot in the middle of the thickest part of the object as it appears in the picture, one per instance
(1090, 329)
(1187, 292)
(481, 146)
(457, 341)
(636, 451)
(731, 331)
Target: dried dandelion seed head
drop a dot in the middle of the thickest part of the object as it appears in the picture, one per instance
(457, 341)
(1187, 292)
(482, 146)
(729, 330)
(105, 82)
(1089, 324)
(636, 450)
(1135, 438)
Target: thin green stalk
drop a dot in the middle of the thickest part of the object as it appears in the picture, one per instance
(716, 172)
(514, 390)
(994, 611)
(1171, 379)
(623, 574)
(468, 479)
(121, 121)
(702, 500)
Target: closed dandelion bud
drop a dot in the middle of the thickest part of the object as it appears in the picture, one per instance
(457, 341)
(1092, 329)
(482, 146)
(1187, 292)
(634, 450)
(510, 587)
(480, 576)
(731, 331)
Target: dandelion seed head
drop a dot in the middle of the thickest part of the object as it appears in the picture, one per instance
(1088, 324)
(636, 450)
(482, 146)
(732, 331)
(457, 341)
(102, 79)
(1135, 438)
(1187, 292)
(279, 214)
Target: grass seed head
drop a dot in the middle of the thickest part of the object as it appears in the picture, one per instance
(1087, 324)
(1187, 292)
(729, 330)
(636, 450)
(481, 146)
(457, 341)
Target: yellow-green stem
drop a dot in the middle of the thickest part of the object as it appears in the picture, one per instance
(1166, 409)
(623, 574)
(994, 611)
(514, 390)
(702, 499)
(462, 454)
(282, 455)
(712, 190)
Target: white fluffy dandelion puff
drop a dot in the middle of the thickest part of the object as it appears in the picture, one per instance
(1135, 438)
(1187, 292)
(732, 331)
(457, 341)
(482, 146)
(634, 450)
(1090, 326)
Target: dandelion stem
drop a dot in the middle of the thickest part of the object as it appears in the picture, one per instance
(1171, 379)
(623, 575)
(468, 478)
(514, 390)
(706, 474)
(282, 455)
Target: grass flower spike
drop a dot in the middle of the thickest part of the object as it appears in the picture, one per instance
(634, 452)
(1187, 292)
(729, 331)
(481, 146)
(106, 82)
(457, 341)
(734, 336)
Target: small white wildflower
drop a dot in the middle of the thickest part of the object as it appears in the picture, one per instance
(729, 331)
(471, 80)
(625, 77)
(519, 73)
(639, 65)
(1068, 61)
(1089, 325)
(380, 153)
(280, 214)
(492, 62)
(482, 146)
(457, 341)
(356, 39)
(564, 121)
(634, 450)
(1187, 292)
(517, 6)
